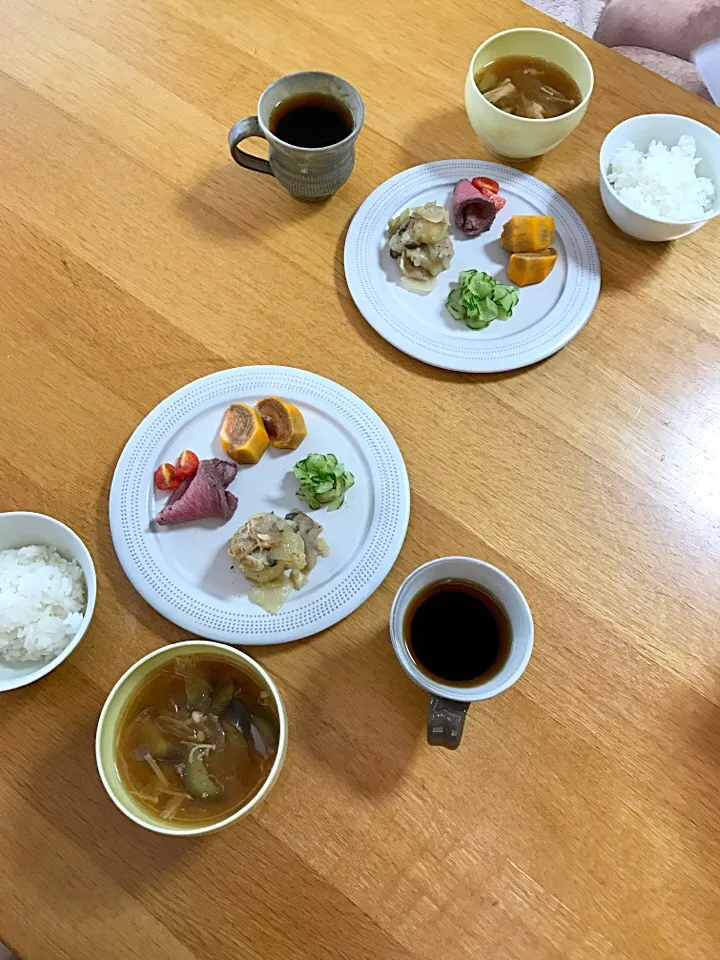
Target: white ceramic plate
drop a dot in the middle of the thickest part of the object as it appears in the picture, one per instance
(184, 571)
(549, 314)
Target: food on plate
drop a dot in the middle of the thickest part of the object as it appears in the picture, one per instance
(478, 300)
(473, 210)
(196, 740)
(243, 436)
(662, 180)
(528, 239)
(419, 240)
(187, 464)
(528, 268)
(203, 495)
(277, 555)
(283, 422)
(42, 601)
(490, 189)
(529, 234)
(323, 481)
(528, 87)
(165, 478)
(169, 476)
(486, 183)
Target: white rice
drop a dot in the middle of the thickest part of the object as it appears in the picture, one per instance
(42, 601)
(662, 182)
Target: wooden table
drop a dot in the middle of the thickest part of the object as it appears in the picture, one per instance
(581, 817)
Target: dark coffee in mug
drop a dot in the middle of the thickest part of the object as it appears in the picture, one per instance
(311, 120)
(457, 632)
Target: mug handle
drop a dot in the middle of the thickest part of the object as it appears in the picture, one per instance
(445, 722)
(247, 127)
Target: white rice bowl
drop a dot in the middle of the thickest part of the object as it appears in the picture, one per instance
(43, 598)
(662, 182)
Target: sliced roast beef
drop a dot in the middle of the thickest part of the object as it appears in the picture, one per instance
(202, 495)
(472, 211)
(178, 492)
(226, 471)
(222, 473)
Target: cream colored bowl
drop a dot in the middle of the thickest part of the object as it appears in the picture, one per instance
(112, 713)
(516, 138)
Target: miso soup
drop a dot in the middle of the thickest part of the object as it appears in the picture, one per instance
(528, 87)
(197, 740)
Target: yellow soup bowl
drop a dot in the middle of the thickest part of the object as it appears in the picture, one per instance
(517, 138)
(113, 711)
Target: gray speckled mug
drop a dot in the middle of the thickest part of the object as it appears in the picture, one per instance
(449, 700)
(306, 172)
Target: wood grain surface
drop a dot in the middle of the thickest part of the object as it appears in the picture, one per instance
(581, 817)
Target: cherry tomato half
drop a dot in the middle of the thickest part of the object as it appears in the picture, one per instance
(166, 478)
(487, 183)
(187, 464)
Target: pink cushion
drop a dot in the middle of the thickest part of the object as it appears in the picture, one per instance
(672, 26)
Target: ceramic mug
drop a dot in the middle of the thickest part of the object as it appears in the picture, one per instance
(517, 138)
(449, 702)
(310, 173)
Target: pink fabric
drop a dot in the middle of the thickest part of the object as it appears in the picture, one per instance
(676, 27)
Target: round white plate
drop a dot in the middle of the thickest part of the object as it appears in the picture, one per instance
(548, 315)
(184, 571)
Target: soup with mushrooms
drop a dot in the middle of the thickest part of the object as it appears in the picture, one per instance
(197, 740)
(528, 87)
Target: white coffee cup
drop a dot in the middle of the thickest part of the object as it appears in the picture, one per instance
(449, 701)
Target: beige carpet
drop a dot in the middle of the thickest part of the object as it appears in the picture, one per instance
(583, 15)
